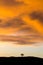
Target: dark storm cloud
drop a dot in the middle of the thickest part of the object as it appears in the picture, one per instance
(37, 15)
(15, 22)
(11, 2)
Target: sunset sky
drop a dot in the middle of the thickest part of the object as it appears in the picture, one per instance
(21, 27)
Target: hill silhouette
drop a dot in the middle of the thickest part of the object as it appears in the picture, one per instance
(22, 60)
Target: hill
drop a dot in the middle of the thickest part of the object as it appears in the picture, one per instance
(22, 60)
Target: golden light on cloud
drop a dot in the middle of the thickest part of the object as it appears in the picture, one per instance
(21, 17)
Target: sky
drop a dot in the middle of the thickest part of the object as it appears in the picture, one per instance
(21, 27)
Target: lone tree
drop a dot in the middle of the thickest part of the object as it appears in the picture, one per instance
(22, 54)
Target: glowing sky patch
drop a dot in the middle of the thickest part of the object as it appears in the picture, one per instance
(21, 21)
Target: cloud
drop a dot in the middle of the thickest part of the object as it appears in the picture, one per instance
(14, 23)
(37, 15)
(11, 2)
(23, 37)
(26, 32)
(27, 28)
(28, 35)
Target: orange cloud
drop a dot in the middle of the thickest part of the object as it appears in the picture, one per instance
(11, 2)
(23, 16)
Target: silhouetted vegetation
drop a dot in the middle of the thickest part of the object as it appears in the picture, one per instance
(22, 54)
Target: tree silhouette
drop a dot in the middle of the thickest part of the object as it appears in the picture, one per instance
(22, 54)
